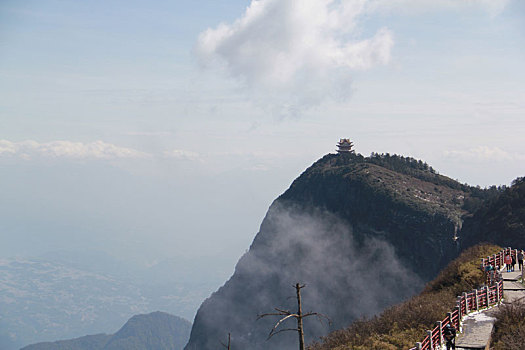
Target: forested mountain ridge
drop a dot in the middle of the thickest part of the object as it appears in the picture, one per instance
(392, 216)
(500, 220)
(396, 176)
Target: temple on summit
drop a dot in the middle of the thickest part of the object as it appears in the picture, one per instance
(345, 146)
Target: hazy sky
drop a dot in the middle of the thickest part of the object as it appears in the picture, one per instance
(150, 129)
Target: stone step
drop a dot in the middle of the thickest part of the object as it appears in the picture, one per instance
(477, 329)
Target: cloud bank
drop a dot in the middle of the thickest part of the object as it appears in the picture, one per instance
(294, 54)
(492, 7)
(484, 153)
(66, 149)
(181, 154)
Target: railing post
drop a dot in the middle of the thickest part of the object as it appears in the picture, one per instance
(440, 324)
(487, 290)
(465, 296)
(418, 346)
(497, 293)
(430, 338)
(477, 300)
(458, 306)
(449, 315)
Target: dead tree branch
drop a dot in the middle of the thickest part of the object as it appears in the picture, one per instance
(229, 342)
(299, 316)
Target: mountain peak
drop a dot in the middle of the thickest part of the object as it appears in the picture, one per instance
(391, 216)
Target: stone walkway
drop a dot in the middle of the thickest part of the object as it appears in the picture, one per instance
(477, 327)
(513, 289)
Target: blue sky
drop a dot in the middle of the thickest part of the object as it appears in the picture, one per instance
(148, 129)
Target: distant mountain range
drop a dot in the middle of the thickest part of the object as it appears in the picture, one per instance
(154, 331)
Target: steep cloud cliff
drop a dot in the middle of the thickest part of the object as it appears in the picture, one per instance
(361, 233)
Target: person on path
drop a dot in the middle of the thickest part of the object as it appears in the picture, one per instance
(489, 269)
(513, 262)
(449, 333)
(520, 259)
(508, 261)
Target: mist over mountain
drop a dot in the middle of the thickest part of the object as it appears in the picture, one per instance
(362, 233)
(157, 330)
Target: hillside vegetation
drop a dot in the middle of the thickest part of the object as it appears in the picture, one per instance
(401, 326)
(408, 180)
(500, 220)
(509, 329)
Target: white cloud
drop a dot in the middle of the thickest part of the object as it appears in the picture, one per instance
(493, 7)
(292, 54)
(148, 133)
(295, 52)
(484, 153)
(66, 149)
(181, 154)
(258, 167)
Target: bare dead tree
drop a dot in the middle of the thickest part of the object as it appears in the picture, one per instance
(299, 316)
(227, 346)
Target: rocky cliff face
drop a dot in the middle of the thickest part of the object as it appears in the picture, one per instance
(361, 233)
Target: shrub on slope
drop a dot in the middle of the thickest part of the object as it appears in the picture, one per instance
(509, 328)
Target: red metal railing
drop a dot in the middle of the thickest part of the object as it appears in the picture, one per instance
(469, 302)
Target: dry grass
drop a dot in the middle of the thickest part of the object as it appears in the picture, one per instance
(402, 325)
(510, 327)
